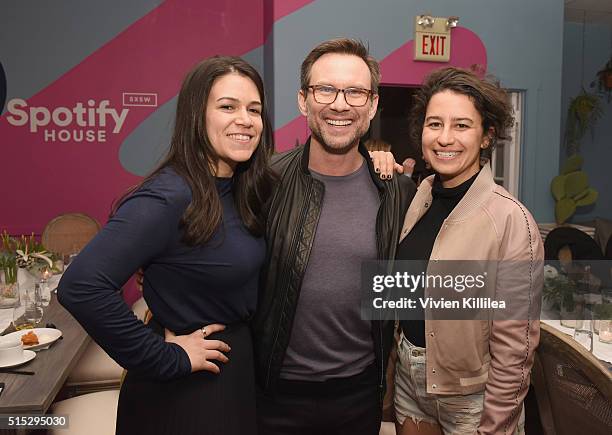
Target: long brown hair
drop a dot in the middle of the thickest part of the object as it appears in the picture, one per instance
(192, 155)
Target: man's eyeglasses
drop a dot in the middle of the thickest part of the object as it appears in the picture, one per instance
(325, 94)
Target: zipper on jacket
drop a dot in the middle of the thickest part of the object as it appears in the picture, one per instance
(285, 275)
(379, 248)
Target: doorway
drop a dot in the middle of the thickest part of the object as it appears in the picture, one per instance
(391, 124)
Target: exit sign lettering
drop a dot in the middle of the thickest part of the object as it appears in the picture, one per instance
(432, 43)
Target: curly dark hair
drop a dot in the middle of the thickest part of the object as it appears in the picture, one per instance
(490, 100)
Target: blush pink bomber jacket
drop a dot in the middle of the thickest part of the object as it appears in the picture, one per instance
(468, 356)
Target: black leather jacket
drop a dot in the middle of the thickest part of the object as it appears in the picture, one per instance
(292, 221)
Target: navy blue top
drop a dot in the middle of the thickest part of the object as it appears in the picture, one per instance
(186, 287)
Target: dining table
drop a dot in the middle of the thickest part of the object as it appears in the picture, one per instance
(601, 350)
(33, 394)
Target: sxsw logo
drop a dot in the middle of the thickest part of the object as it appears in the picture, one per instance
(139, 99)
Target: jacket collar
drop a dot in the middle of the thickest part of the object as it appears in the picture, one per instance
(362, 150)
(476, 195)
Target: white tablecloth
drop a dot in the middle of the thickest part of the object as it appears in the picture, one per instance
(601, 350)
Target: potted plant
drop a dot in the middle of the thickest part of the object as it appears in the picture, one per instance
(27, 254)
(571, 189)
(604, 79)
(559, 292)
(9, 290)
(582, 114)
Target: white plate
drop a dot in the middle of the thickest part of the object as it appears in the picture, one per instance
(28, 355)
(46, 336)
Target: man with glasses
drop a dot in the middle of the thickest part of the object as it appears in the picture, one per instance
(320, 366)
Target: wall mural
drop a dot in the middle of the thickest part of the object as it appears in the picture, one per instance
(78, 142)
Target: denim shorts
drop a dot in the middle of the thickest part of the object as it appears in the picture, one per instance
(455, 414)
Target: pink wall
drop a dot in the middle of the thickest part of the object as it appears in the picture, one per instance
(48, 165)
(47, 170)
(60, 146)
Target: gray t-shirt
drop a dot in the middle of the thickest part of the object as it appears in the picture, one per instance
(329, 339)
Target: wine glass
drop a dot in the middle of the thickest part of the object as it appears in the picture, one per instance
(29, 312)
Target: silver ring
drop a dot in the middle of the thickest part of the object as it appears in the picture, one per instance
(204, 333)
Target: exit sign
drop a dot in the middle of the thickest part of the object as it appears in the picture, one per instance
(433, 42)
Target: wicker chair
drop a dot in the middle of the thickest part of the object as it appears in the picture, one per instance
(69, 233)
(573, 388)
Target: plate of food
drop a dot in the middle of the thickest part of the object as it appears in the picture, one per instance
(37, 338)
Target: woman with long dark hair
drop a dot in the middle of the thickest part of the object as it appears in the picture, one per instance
(195, 226)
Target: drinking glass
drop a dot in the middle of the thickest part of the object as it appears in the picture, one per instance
(9, 290)
(45, 293)
(583, 333)
(9, 299)
(29, 313)
(605, 331)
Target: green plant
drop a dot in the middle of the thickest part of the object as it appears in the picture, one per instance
(8, 262)
(9, 268)
(582, 115)
(560, 292)
(571, 189)
(602, 311)
(25, 250)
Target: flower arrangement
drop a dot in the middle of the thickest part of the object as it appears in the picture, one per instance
(22, 252)
(558, 289)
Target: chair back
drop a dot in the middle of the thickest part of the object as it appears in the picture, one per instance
(576, 385)
(69, 233)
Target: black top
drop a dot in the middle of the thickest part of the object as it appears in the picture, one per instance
(186, 287)
(418, 244)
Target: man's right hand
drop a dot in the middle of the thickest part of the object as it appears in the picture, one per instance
(200, 350)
